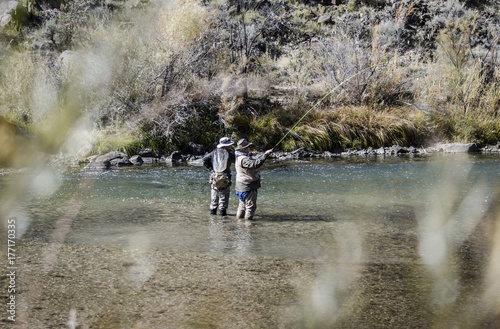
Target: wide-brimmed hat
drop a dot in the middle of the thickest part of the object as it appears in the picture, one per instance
(242, 143)
(225, 141)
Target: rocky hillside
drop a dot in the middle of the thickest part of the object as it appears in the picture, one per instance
(123, 75)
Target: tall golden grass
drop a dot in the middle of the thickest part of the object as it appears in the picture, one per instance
(345, 127)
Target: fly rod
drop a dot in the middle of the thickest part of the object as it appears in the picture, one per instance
(321, 100)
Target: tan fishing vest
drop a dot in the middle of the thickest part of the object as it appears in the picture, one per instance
(245, 175)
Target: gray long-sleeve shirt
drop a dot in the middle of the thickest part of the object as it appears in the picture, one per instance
(210, 160)
(247, 175)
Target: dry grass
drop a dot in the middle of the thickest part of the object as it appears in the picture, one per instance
(359, 127)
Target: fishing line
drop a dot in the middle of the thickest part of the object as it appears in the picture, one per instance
(321, 100)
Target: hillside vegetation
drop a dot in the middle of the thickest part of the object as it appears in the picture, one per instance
(90, 76)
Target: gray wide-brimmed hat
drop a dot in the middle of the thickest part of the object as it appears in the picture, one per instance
(242, 143)
(225, 141)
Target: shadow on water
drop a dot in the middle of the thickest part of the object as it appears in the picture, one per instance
(292, 218)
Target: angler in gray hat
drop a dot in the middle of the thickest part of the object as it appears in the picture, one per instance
(247, 178)
(219, 163)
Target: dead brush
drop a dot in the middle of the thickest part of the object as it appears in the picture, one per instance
(460, 87)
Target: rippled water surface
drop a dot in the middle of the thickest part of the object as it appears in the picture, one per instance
(394, 242)
(299, 204)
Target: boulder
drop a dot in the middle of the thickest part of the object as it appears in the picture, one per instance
(150, 160)
(114, 158)
(324, 19)
(148, 153)
(174, 158)
(458, 148)
(328, 154)
(396, 149)
(301, 153)
(120, 162)
(136, 160)
(195, 160)
(491, 149)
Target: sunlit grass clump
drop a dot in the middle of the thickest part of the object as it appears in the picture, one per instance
(331, 128)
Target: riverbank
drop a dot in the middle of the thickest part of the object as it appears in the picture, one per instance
(149, 156)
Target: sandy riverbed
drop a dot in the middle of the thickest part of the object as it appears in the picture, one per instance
(110, 287)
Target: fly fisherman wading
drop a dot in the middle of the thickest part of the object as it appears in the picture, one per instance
(219, 163)
(247, 178)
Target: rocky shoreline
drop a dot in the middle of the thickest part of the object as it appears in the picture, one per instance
(149, 156)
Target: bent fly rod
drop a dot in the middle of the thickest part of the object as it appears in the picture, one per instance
(325, 96)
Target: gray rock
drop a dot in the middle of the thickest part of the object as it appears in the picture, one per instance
(98, 166)
(148, 153)
(301, 153)
(6, 10)
(136, 160)
(324, 19)
(398, 149)
(150, 160)
(174, 158)
(120, 162)
(328, 154)
(114, 158)
(458, 148)
(109, 156)
(195, 160)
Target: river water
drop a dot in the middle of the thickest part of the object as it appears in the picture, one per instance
(382, 212)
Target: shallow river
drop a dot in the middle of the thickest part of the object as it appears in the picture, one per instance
(380, 211)
(297, 205)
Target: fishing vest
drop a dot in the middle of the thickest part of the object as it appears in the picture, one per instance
(245, 175)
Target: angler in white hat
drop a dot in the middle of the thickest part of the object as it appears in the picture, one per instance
(219, 163)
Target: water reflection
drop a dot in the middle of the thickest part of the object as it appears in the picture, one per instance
(229, 236)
